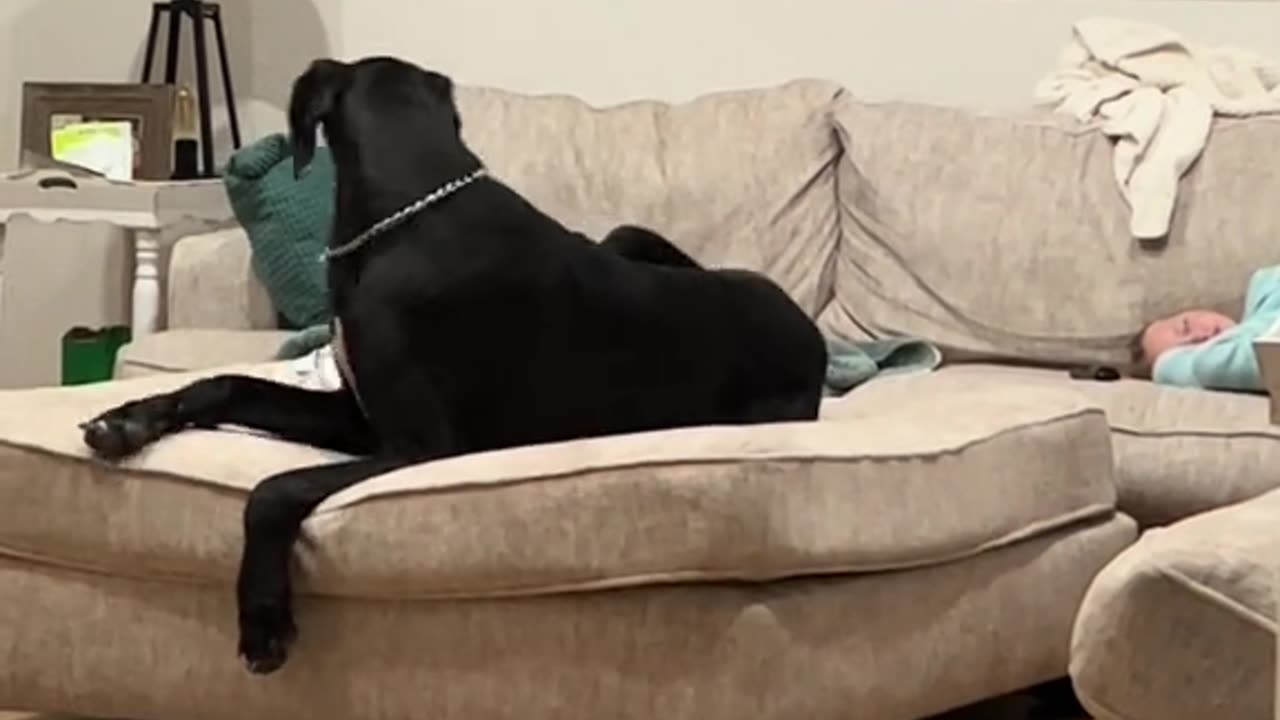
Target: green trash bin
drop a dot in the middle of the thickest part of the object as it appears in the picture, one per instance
(89, 355)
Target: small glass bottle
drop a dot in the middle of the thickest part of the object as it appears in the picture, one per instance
(186, 141)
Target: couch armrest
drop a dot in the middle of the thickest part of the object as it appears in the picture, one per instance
(212, 284)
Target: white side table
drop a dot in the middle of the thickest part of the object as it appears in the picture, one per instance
(55, 267)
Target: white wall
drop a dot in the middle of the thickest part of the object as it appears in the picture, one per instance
(985, 53)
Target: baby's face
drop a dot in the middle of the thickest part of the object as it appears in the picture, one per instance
(1185, 328)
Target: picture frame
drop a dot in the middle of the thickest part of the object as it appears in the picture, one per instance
(148, 107)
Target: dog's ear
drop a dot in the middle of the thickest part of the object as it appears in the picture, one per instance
(441, 86)
(315, 93)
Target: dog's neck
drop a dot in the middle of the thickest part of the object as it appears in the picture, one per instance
(368, 193)
(403, 215)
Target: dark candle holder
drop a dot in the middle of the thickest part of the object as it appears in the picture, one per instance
(200, 12)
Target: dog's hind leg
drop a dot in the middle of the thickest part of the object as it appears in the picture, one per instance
(328, 419)
(643, 245)
(272, 522)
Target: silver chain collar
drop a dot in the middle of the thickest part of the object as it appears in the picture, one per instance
(403, 214)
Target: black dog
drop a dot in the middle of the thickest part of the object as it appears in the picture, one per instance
(439, 275)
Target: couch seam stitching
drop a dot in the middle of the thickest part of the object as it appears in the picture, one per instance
(1217, 598)
(1132, 431)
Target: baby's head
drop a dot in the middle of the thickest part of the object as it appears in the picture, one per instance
(1189, 327)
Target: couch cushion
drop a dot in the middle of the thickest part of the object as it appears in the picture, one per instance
(922, 484)
(1007, 235)
(1179, 452)
(892, 645)
(743, 178)
(1182, 626)
(183, 350)
(212, 284)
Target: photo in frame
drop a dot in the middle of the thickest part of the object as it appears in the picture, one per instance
(148, 108)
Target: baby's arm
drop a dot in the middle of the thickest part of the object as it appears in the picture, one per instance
(1263, 293)
(1228, 362)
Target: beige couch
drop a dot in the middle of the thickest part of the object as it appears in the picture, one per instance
(933, 540)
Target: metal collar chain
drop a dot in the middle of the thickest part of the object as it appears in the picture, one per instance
(403, 214)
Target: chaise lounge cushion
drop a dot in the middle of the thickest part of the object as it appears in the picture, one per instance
(898, 488)
(1183, 624)
(889, 645)
(1178, 452)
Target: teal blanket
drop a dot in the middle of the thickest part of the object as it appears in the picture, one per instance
(849, 364)
(305, 342)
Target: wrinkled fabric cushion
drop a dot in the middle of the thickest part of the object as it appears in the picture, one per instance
(931, 481)
(211, 284)
(743, 178)
(1007, 236)
(886, 645)
(1178, 452)
(1182, 626)
(184, 350)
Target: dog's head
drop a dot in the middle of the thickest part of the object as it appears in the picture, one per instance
(367, 99)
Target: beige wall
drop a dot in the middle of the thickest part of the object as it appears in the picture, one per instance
(984, 53)
(103, 40)
(973, 52)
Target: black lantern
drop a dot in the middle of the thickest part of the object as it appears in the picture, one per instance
(200, 12)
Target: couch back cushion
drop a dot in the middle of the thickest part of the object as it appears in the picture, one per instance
(741, 178)
(1006, 236)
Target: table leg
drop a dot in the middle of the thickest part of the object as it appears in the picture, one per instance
(146, 282)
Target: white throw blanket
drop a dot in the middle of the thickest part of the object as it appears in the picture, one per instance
(1156, 96)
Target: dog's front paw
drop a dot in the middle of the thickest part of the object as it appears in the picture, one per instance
(266, 632)
(123, 431)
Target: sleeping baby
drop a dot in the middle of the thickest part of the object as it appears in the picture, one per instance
(1206, 349)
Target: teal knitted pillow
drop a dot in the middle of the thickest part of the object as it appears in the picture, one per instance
(287, 221)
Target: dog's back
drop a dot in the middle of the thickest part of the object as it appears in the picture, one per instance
(530, 335)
